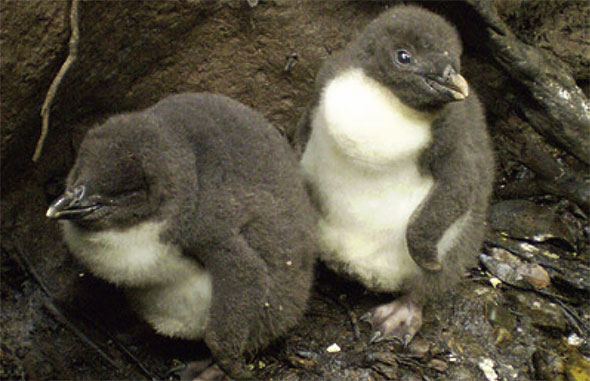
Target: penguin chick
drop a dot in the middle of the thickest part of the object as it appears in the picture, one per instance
(196, 207)
(399, 164)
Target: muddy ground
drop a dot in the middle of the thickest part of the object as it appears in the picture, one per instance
(523, 314)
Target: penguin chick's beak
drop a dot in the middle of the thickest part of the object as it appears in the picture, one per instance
(449, 84)
(72, 205)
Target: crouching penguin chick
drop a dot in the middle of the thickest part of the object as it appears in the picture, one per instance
(196, 207)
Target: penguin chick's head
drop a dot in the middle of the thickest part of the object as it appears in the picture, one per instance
(416, 54)
(115, 180)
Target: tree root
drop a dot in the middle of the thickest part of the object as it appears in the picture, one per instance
(562, 111)
(73, 55)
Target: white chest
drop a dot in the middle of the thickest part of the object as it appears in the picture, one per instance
(170, 291)
(368, 123)
(362, 159)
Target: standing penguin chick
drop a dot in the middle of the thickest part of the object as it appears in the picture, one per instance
(399, 164)
(196, 207)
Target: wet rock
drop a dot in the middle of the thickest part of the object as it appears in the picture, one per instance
(299, 362)
(419, 347)
(575, 279)
(500, 316)
(486, 365)
(506, 257)
(532, 273)
(577, 368)
(507, 372)
(389, 372)
(548, 366)
(574, 340)
(572, 274)
(461, 374)
(543, 314)
(530, 221)
(502, 336)
(535, 275)
(503, 321)
(438, 365)
(383, 357)
(503, 271)
(410, 377)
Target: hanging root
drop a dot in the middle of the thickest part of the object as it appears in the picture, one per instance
(73, 55)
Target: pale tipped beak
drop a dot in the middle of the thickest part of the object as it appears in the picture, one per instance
(71, 205)
(458, 86)
(449, 84)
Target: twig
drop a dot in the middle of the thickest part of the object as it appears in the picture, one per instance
(28, 269)
(134, 359)
(72, 56)
(574, 320)
(59, 315)
(57, 311)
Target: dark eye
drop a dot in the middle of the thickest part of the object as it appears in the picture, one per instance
(403, 57)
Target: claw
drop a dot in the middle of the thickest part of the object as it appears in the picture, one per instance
(399, 320)
(366, 317)
(407, 338)
(375, 337)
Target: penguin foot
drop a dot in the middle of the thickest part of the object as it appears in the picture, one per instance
(398, 321)
(200, 371)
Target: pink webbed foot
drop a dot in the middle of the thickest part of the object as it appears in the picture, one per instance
(399, 320)
(201, 371)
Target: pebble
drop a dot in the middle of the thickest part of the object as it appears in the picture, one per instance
(487, 367)
(495, 281)
(575, 340)
(334, 348)
(419, 347)
(438, 365)
(535, 275)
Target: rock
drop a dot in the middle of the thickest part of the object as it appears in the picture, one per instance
(460, 374)
(535, 275)
(500, 316)
(419, 347)
(410, 377)
(529, 221)
(574, 340)
(548, 366)
(334, 348)
(438, 365)
(572, 273)
(503, 271)
(543, 314)
(301, 362)
(386, 370)
(577, 368)
(486, 365)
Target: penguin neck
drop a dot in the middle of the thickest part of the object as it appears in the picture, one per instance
(368, 123)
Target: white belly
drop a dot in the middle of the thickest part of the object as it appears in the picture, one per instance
(170, 291)
(362, 159)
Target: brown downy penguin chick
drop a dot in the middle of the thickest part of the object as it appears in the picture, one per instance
(399, 163)
(196, 207)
